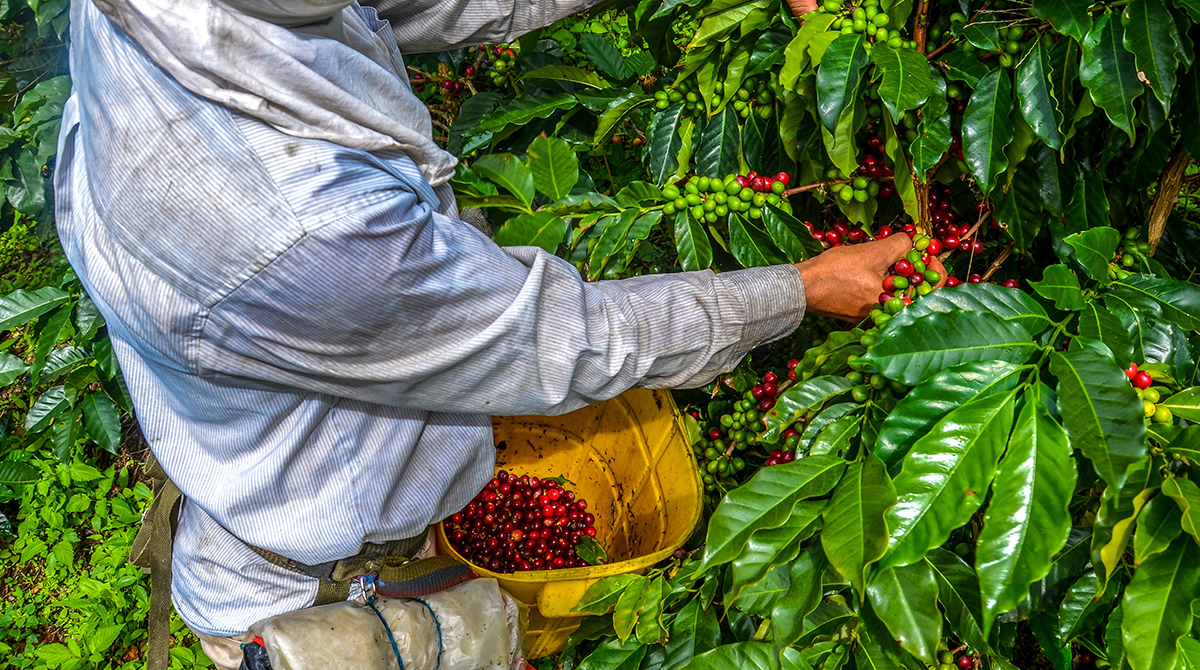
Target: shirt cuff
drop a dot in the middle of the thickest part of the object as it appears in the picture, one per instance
(772, 299)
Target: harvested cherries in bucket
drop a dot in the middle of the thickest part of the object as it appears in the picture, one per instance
(521, 523)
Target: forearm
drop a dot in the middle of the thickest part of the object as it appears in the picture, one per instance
(423, 26)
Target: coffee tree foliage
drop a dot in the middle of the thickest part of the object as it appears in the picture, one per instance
(974, 468)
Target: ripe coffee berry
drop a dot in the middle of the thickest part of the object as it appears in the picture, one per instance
(519, 524)
(1142, 381)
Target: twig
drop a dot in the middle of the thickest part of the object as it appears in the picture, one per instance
(920, 21)
(998, 262)
(1165, 197)
(822, 184)
(983, 216)
(942, 49)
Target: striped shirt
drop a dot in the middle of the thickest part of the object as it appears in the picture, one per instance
(314, 342)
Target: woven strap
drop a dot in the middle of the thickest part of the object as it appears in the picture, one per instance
(151, 551)
(335, 577)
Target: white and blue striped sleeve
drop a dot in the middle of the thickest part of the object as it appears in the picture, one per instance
(423, 26)
(393, 303)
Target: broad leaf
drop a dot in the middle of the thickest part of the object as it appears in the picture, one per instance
(771, 547)
(1185, 404)
(1102, 414)
(616, 112)
(17, 472)
(806, 581)
(1186, 496)
(933, 133)
(1179, 300)
(601, 596)
(840, 77)
(46, 408)
(1039, 104)
(575, 75)
(905, 598)
(1027, 521)
(691, 242)
(945, 477)
(958, 593)
(664, 143)
(510, 173)
(1009, 305)
(11, 367)
(938, 340)
(742, 655)
(1094, 249)
(1158, 525)
(21, 306)
(615, 655)
(1082, 608)
(523, 110)
(1152, 38)
(554, 165)
(1158, 605)
(791, 236)
(540, 229)
(765, 502)
(717, 150)
(1100, 324)
(1109, 72)
(905, 82)
(693, 632)
(102, 421)
(1061, 285)
(1119, 510)
(925, 405)
(1020, 207)
(799, 398)
(1088, 207)
(750, 245)
(1069, 17)
(987, 128)
(604, 55)
(855, 534)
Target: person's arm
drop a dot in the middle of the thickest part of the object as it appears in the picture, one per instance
(394, 304)
(423, 26)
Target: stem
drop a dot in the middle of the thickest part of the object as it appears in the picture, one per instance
(822, 184)
(920, 23)
(942, 49)
(998, 262)
(983, 216)
(1170, 182)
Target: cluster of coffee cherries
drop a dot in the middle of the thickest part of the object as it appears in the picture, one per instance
(948, 234)
(948, 660)
(1131, 257)
(754, 96)
(502, 61)
(1150, 395)
(911, 277)
(712, 198)
(865, 183)
(867, 18)
(734, 431)
(516, 524)
(685, 92)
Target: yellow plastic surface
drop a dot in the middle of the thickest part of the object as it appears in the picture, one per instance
(630, 459)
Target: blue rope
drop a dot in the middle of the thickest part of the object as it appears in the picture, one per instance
(371, 604)
(439, 631)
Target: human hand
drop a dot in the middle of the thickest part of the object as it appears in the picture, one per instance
(802, 7)
(845, 282)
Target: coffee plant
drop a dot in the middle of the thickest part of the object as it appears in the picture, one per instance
(993, 470)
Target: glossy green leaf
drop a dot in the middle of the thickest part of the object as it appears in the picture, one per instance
(539, 229)
(1060, 285)
(51, 328)
(900, 163)
(59, 362)
(691, 242)
(905, 598)
(1119, 510)
(1027, 522)
(719, 145)
(629, 606)
(1020, 207)
(604, 55)
(510, 173)
(842, 144)
(1100, 324)
(693, 632)
(1159, 523)
(804, 593)
(1088, 207)
(554, 165)
(751, 245)
(1007, 304)
(523, 110)
(1069, 17)
(1036, 95)
(11, 367)
(1186, 496)
(988, 128)
(1094, 249)
(757, 599)
(796, 54)
(933, 133)
(616, 112)
(771, 547)
(603, 595)
(102, 421)
(1109, 73)
(1102, 414)
(747, 655)
(926, 404)
(905, 82)
(1189, 654)
(1158, 605)
(1152, 38)
(855, 533)
(840, 77)
(765, 502)
(17, 472)
(790, 235)
(20, 307)
(615, 655)
(962, 66)
(48, 406)
(799, 398)
(664, 143)
(1178, 300)
(945, 477)
(575, 75)
(958, 594)
(836, 437)
(1082, 609)
(939, 340)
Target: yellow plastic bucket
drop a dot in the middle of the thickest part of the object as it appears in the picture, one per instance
(630, 459)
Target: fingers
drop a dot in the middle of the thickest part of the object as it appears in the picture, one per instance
(892, 249)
